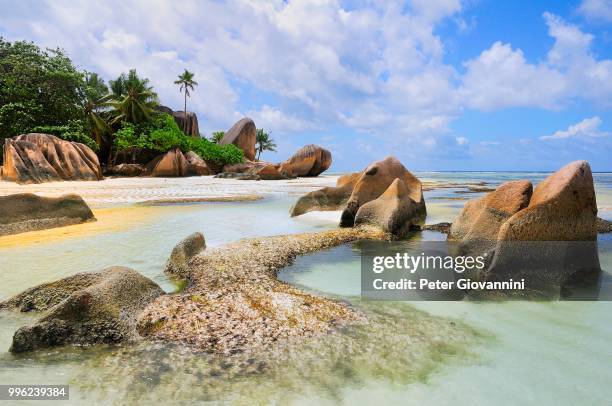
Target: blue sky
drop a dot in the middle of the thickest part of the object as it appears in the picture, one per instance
(441, 84)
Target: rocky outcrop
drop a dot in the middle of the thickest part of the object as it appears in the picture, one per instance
(20, 213)
(395, 211)
(328, 198)
(101, 309)
(189, 126)
(126, 170)
(396, 197)
(188, 123)
(197, 165)
(547, 237)
(37, 158)
(310, 160)
(604, 226)
(479, 222)
(174, 164)
(374, 181)
(253, 170)
(243, 135)
(184, 251)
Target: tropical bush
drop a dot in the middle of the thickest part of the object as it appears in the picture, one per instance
(73, 131)
(162, 134)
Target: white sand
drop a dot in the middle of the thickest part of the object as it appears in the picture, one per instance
(118, 191)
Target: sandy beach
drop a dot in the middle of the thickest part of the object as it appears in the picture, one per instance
(120, 191)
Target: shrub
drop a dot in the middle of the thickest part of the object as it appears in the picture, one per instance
(162, 134)
(73, 131)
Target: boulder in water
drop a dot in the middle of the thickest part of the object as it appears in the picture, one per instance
(101, 309)
(328, 198)
(396, 211)
(20, 213)
(183, 252)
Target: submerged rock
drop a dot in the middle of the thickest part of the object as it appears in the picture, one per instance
(243, 135)
(311, 160)
(397, 210)
(102, 308)
(184, 251)
(37, 158)
(25, 212)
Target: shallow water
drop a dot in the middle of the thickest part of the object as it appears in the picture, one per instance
(546, 353)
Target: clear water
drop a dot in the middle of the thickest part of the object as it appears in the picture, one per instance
(543, 353)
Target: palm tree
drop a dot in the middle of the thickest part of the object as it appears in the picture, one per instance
(263, 142)
(95, 101)
(187, 83)
(217, 136)
(133, 98)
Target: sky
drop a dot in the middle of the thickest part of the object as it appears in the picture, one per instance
(441, 84)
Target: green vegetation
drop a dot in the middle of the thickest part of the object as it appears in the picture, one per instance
(163, 134)
(263, 142)
(186, 82)
(42, 91)
(217, 136)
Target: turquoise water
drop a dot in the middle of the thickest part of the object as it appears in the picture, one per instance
(542, 353)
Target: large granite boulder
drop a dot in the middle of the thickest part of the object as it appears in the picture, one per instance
(243, 135)
(127, 170)
(310, 160)
(197, 166)
(479, 222)
(101, 308)
(254, 170)
(183, 252)
(20, 213)
(188, 123)
(37, 158)
(396, 211)
(548, 237)
(175, 164)
(373, 182)
(328, 198)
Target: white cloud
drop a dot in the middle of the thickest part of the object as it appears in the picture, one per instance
(277, 121)
(589, 127)
(596, 9)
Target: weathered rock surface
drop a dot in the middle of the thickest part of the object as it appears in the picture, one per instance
(237, 175)
(174, 164)
(328, 198)
(235, 304)
(37, 158)
(101, 309)
(547, 237)
(604, 226)
(479, 222)
(373, 182)
(311, 160)
(395, 211)
(562, 208)
(258, 170)
(189, 123)
(20, 213)
(184, 251)
(127, 170)
(198, 166)
(243, 135)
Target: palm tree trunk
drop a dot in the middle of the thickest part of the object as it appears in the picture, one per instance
(185, 122)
